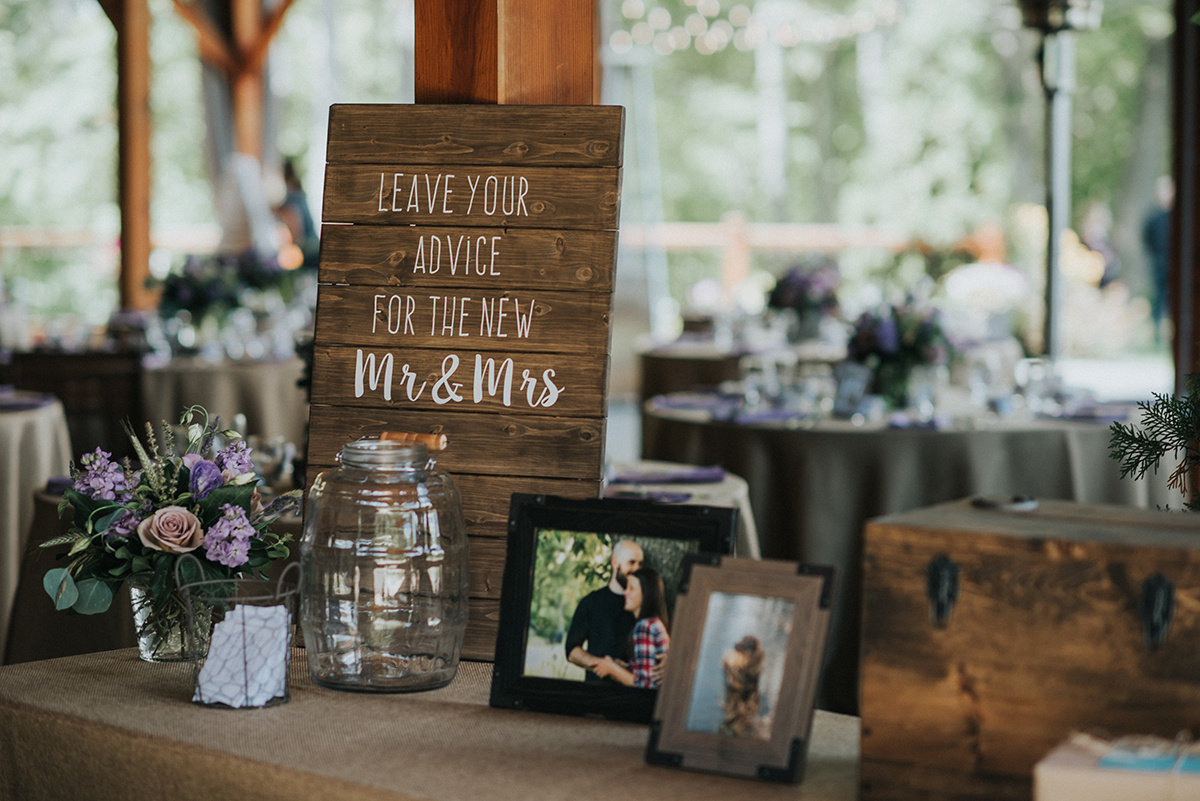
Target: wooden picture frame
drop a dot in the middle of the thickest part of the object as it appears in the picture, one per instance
(745, 657)
(560, 550)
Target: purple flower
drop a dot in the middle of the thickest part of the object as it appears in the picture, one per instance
(887, 335)
(235, 458)
(102, 478)
(228, 540)
(205, 478)
(123, 526)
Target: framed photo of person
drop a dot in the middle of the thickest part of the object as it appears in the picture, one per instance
(588, 597)
(746, 654)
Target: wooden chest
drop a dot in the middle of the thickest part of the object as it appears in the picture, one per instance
(989, 634)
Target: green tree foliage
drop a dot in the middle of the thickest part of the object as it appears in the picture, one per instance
(570, 564)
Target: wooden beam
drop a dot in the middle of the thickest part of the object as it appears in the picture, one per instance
(547, 52)
(455, 51)
(526, 52)
(247, 83)
(134, 128)
(256, 56)
(214, 46)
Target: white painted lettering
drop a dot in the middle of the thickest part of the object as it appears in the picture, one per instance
(474, 185)
(444, 385)
(409, 379)
(494, 184)
(523, 321)
(521, 209)
(396, 176)
(365, 368)
(410, 307)
(488, 378)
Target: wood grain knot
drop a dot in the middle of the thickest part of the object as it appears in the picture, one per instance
(516, 149)
(597, 147)
(397, 257)
(560, 245)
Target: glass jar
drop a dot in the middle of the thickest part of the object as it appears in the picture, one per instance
(383, 571)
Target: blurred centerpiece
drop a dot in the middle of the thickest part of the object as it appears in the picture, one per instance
(240, 305)
(807, 293)
(133, 524)
(894, 340)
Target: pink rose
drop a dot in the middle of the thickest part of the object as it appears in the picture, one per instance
(172, 529)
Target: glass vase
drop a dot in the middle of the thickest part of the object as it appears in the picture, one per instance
(160, 626)
(383, 590)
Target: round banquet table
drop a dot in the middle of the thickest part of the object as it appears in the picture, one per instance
(813, 488)
(682, 483)
(34, 445)
(265, 392)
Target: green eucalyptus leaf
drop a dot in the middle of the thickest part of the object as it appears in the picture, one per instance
(106, 520)
(95, 596)
(60, 587)
(140, 564)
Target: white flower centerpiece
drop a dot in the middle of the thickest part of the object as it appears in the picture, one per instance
(132, 523)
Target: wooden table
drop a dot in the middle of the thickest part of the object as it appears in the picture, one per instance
(107, 726)
(813, 487)
(34, 445)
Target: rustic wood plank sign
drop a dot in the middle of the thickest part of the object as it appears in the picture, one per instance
(466, 281)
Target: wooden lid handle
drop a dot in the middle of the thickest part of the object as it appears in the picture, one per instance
(434, 442)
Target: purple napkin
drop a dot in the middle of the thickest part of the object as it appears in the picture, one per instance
(766, 416)
(652, 495)
(702, 401)
(903, 420)
(20, 400)
(1106, 413)
(713, 474)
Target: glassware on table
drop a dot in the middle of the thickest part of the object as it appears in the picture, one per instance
(384, 571)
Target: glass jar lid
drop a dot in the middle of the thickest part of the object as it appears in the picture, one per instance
(372, 452)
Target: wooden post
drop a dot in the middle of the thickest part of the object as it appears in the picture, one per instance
(131, 18)
(248, 80)
(1185, 217)
(527, 52)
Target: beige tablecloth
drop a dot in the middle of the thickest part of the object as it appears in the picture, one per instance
(266, 392)
(731, 491)
(812, 489)
(106, 726)
(34, 445)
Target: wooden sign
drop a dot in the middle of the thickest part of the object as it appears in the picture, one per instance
(466, 281)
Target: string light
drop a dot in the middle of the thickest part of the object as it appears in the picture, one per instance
(708, 32)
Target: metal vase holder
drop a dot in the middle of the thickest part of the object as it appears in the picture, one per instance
(249, 623)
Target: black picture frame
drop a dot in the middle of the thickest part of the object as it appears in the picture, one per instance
(699, 530)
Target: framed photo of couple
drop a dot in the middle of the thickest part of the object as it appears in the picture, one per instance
(589, 591)
(748, 644)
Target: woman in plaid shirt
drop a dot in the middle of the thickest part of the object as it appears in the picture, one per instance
(646, 599)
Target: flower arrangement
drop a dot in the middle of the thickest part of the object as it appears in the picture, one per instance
(214, 284)
(808, 289)
(134, 523)
(892, 340)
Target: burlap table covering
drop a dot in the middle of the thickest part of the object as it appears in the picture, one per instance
(107, 726)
